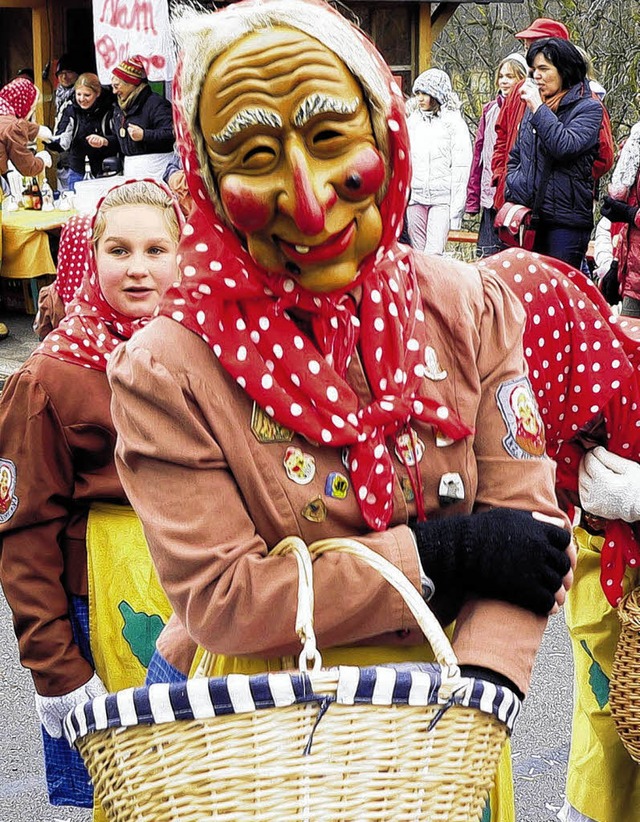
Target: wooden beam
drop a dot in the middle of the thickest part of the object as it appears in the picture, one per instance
(23, 4)
(41, 39)
(440, 18)
(425, 41)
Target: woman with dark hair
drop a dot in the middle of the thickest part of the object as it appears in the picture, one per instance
(550, 168)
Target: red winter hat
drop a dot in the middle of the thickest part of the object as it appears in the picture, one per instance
(131, 70)
(544, 27)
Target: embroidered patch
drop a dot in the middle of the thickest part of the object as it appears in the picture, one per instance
(336, 485)
(267, 430)
(315, 510)
(300, 467)
(409, 448)
(519, 409)
(8, 499)
(433, 370)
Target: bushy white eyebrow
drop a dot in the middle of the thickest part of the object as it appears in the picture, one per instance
(323, 104)
(245, 119)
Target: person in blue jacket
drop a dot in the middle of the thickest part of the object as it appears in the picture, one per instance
(551, 163)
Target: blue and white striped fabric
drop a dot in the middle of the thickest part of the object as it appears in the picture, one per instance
(238, 693)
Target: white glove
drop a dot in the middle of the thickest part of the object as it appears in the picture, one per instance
(52, 710)
(45, 157)
(609, 485)
(45, 134)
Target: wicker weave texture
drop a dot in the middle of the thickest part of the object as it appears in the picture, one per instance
(624, 693)
(366, 763)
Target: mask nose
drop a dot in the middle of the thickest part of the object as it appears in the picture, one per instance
(301, 199)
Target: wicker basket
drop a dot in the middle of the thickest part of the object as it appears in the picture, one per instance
(624, 692)
(415, 741)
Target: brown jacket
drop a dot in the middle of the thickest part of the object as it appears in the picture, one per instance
(15, 136)
(214, 500)
(56, 430)
(51, 311)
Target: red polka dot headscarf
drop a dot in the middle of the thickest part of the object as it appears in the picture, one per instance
(91, 329)
(584, 364)
(74, 256)
(242, 311)
(17, 97)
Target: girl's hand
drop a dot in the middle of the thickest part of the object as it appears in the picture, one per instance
(96, 141)
(531, 95)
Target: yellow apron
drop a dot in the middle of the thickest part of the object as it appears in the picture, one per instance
(603, 782)
(501, 806)
(127, 606)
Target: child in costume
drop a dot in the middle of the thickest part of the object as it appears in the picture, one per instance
(583, 365)
(57, 460)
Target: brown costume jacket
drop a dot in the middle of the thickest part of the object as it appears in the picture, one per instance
(15, 136)
(213, 499)
(56, 429)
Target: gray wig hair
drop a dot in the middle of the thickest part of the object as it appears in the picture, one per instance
(203, 36)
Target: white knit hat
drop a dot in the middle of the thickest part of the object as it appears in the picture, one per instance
(435, 83)
(517, 57)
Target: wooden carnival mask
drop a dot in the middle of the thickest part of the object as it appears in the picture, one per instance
(292, 150)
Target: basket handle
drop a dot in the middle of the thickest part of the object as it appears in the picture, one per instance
(423, 615)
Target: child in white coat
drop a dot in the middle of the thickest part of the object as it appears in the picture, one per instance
(441, 160)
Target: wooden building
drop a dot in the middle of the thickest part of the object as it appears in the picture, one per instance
(33, 33)
(406, 31)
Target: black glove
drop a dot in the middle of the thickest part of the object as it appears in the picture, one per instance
(618, 211)
(609, 285)
(500, 554)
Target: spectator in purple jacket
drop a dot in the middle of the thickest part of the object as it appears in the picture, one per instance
(480, 191)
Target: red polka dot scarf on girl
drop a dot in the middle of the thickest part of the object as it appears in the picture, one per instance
(74, 255)
(17, 97)
(242, 312)
(91, 328)
(583, 363)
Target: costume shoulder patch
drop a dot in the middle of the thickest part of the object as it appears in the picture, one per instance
(519, 409)
(8, 499)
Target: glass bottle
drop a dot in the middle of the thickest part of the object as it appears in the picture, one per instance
(36, 195)
(87, 170)
(25, 199)
(47, 196)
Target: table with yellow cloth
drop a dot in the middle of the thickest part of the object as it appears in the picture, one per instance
(25, 254)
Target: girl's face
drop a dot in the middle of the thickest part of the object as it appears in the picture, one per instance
(135, 259)
(86, 97)
(425, 101)
(507, 78)
(546, 76)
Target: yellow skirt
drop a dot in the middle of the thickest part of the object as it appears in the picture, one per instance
(127, 606)
(501, 805)
(603, 782)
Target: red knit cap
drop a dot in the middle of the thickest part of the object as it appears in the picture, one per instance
(131, 70)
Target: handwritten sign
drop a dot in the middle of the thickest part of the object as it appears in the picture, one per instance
(123, 28)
